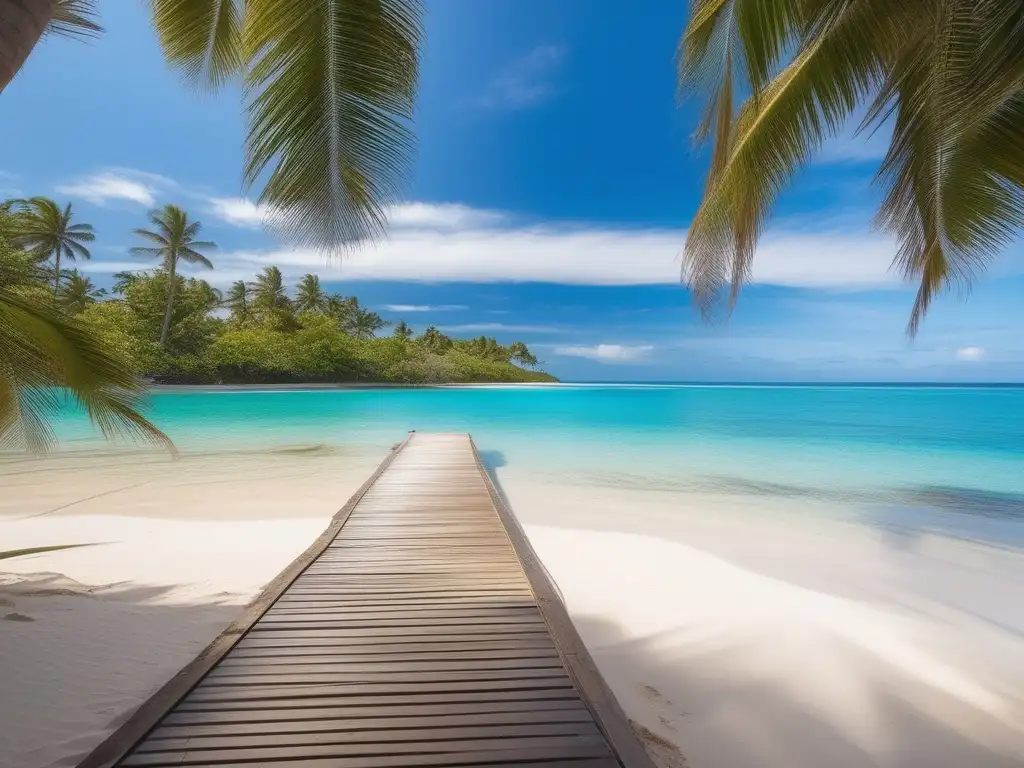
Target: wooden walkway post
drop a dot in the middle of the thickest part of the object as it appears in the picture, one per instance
(418, 630)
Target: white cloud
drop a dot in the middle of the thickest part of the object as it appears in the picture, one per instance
(970, 353)
(115, 185)
(525, 82)
(238, 211)
(839, 258)
(607, 353)
(423, 307)
(498, 327)
(442, 216)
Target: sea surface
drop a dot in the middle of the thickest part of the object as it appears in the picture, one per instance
(948, 458)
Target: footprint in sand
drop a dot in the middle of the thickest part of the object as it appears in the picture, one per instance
(17, 617)
(663, 752)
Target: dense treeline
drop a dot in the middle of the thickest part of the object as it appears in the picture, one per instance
(177, 329)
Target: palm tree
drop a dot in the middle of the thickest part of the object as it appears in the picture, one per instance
(269, 290)
(519, 352)
(238, 301)
(310, 296)
(330, 88)
(402, 331)
(948, 74)
(44, 354)
(78, 292)
(174, 240)
(365, 324)
(122, 281)
(343, 309)
(46, 232)
(435, 341)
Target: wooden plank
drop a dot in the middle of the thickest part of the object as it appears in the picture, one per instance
(413, 635)
(356, 718)
(508, 749)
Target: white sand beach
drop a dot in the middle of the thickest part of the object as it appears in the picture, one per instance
(740, 634)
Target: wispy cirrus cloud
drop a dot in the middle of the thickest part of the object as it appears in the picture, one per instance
(479, 251)
(499, 328)
(110, 184)
(525, 82)
(970, 354)
(607, 353)
(424, 307)
(239, 211)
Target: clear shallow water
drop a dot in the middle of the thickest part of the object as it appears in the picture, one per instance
(956, 450)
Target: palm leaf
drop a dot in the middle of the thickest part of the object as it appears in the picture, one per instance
(43, 353)
(776, 132)
(39, 550)
(74, 19)
(203, 38)
(331, 86)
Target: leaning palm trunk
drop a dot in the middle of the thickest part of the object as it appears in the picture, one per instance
(170, 304)
(22, 23)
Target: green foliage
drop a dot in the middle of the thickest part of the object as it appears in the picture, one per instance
(46, 232)
(43, 355)
(434, 341)
(172, 240)
(402, 331)
(949, 76)
(77, 292)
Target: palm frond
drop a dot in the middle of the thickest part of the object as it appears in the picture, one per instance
(331, 86)
(41, 351)
(194, 257)
(74, 19)
(202, 38)
(953, 198)
(39, 550)
(776, 132)
(154, 237)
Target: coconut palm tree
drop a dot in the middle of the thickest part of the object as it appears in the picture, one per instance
(329, 88)
(269, 291)
(402, 331)
(174, 239)
(238, 301)
(947, 74)
(365, 324)
(310, 296)
(78, 292)
(43, 355)
(46, 232)
(519, 352)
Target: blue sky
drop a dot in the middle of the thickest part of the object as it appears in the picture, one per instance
(554, 183)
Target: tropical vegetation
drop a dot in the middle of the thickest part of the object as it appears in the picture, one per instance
(175, 328)
(779, 78)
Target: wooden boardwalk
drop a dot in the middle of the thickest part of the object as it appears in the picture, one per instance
(419, 630)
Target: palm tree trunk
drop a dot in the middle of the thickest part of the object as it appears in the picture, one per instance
(21, 25)
(170, 303)
(56, 272)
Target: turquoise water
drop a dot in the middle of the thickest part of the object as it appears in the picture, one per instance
(958, 450)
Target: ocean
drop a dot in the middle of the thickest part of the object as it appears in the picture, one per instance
(957, 452)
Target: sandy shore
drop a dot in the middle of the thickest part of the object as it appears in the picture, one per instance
(743, 633)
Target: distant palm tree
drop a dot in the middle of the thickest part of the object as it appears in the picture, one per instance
(948, 75)
(122, 281)
(435, 341)
(343, 309)
(519, 352)
(310, 296)
(78, 292)
(402, 331)
(269, 290)
(46, 232)
(44, 354)
(238, 303)
(174, 240)
(365, 324)
(330, 89)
